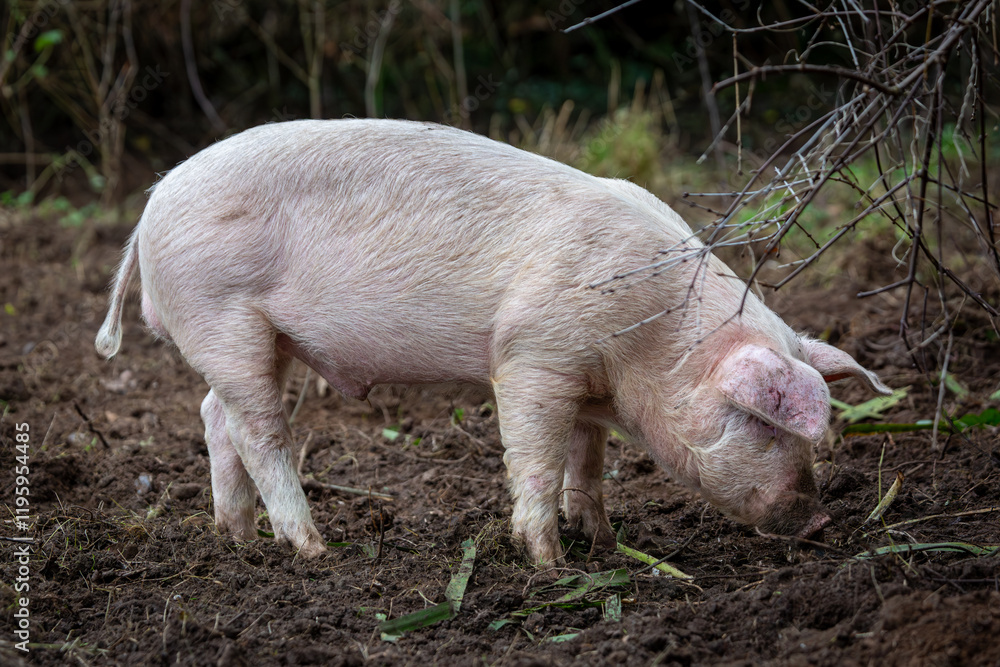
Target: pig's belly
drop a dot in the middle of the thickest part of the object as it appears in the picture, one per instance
(356, 357)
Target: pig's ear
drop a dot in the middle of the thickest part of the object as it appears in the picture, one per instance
(778, 389)
(834, 364)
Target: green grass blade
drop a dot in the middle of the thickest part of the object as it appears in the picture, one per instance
(955, 386)
(613, 608)
(580, 596)
(395, 628)
(959, 547)
(872, 409)
(456, 587)
(887, 499)
(649, 560)
(868, 429)
(988, 417)
(499, 623)
(580, 585)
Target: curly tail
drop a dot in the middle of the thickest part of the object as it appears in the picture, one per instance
(109, 338)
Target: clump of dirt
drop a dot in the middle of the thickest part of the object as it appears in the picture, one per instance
(128, 567)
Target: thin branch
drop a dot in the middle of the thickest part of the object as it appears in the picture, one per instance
(593, 19)
(191, 66)
(810, 69)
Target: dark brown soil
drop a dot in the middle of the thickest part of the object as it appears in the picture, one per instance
(128, 567)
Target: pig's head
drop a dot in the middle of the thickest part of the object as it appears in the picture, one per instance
(759, 415)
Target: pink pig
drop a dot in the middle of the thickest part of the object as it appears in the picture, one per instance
(379, 251)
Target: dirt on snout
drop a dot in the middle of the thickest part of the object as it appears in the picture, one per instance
(127, 567)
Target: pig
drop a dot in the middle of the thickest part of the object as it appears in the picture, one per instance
(385, 251)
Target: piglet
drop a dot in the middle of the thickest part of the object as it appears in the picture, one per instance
(381, 251)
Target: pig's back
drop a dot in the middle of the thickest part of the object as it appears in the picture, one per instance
(375, 241)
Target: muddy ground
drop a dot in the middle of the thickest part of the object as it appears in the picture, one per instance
(128, 567)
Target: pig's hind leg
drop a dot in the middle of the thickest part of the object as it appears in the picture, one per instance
(583, 498)
(239, 360)
(233, 493)
(537, 410)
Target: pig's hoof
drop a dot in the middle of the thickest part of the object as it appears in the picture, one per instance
(307, 544)
(544, 555)
(240, 529)
(313, 545)
(312, 548)
(551, 568)
(604, 541)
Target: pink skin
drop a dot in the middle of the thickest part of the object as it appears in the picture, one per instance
(397, 252)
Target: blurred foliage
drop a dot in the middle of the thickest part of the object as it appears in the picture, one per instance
(97, 94)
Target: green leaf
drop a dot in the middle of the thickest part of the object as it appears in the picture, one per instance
(613, 608)
(869, 429)
(649, 560)
(988, 417)
(393, 629)
(390, 434)
(887, 499)
(499, 623)
(582, 589)
(580, 585)
(872, 409)
(955, 386)
(456, 587)
(48, 39)
(954, 547)
(558, 639)
(995, 396)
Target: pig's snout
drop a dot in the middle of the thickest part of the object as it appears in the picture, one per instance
(803, 517)
(813, 530)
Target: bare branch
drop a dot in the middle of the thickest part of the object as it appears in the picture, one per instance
(812, 69)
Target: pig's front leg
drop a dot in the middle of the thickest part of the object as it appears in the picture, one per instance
(536, 411)
(233, 493)
(583, 497)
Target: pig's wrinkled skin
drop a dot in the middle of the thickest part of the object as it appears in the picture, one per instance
(380, 251)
